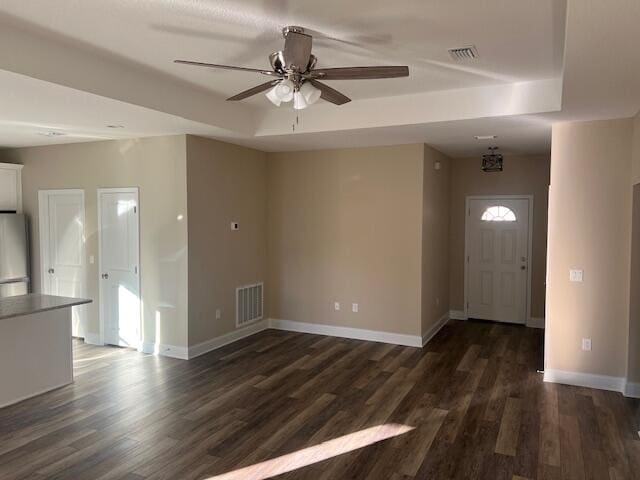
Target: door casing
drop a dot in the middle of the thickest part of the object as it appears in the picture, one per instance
(136, 192)
(468, 199)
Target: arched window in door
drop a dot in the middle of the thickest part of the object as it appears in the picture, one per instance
(498, 213)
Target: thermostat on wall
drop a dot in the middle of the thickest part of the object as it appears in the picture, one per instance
(235, 226)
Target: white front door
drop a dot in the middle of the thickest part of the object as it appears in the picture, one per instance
(119, 266)
(62, 248)
(497, 248)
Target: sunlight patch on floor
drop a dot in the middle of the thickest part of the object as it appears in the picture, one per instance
(317, 453)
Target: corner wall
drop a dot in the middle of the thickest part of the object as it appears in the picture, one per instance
(435, 240)
(225, 183)
(633, 362)
(589, 229)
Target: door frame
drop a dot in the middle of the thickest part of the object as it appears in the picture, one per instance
(43, 235)
(136, 192)
(467, 201)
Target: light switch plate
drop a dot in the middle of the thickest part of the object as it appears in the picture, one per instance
(586, 344)
(576, 276)
(354, 307)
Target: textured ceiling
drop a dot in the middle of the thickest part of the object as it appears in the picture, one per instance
(75, 66)
(517, 41)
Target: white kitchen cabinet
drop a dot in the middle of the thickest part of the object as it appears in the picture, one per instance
(10, 187)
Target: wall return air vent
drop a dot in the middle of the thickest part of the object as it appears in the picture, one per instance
(464, 53)
(249, 304)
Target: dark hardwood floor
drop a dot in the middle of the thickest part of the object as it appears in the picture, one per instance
(470, 405)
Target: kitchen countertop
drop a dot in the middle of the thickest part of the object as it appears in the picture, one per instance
(34, 303)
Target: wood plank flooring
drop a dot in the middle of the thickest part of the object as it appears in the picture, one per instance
(295, 406)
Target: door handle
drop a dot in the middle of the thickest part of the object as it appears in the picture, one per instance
(51, 270)
(105, 276)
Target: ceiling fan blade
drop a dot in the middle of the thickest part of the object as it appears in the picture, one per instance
(227, 67)
(329, 94)
(297, 50)
(253, 91)
(360, 73)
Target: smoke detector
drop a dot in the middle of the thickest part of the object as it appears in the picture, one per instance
(459, 54)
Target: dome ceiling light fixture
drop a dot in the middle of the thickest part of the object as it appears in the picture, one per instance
(295, 77)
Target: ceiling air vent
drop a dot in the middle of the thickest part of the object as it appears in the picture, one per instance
(464, 53)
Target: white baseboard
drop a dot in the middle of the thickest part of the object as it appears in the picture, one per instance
(442, 321)
(13, 401)
(347, 332)
(632, 390)
(458, 315)
(172, 351)
(601, 382)
(92, 339)
(218, 342)
(535, 322)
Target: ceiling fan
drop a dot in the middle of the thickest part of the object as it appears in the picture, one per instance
(294, 76)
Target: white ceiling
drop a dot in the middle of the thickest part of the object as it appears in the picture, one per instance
(31, 108)
(517, 40)
(76, 66)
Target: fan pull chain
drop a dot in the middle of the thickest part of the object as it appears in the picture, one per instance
(296, 123)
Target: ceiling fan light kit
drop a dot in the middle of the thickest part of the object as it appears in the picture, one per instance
(311, 94)
(295, 76)
(299, 102)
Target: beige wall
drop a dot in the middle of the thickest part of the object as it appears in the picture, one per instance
(589, 229)
(158, 167)
(346, 225)
(225, 183)
(635, 168)
(633, 369)
(435, 238)
(522, 175)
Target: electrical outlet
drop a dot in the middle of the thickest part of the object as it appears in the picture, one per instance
(354, 307)
(336, 306)
(576, 276)
(218, 314)
(586, 344)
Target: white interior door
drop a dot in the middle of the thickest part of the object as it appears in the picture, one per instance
(497, 248)
(62, 249)
(119, 260)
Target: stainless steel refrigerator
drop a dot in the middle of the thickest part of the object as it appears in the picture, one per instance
(14, 255)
